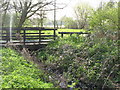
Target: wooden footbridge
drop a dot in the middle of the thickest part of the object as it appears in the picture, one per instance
(28, 36)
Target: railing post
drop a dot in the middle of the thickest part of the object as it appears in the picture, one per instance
(24, 37)
(54, 18)
(70, 34)
(39, 36)
(54, 33)
(7, 35)
(62, 35)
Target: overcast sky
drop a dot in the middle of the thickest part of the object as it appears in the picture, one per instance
(69, 10)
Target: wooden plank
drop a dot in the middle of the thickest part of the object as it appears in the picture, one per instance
(32, 36)
(4, 33)
(62, 33)
(29, 38)
(47, 40)
(33, 33)
(48, 29)
(2, 38)
(73, 33)
(8, 28)
(23, 33)
(32, 28)
(25, 28)
(22, 36)
(6, 36)
(18, 41)
(24, 43)
(29, 33)
(48, 36)
(2, 41)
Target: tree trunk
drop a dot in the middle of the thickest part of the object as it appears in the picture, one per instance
(23, 17)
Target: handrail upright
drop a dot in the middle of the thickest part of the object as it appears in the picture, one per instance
(24, 36)
(54, 33)
(39, 36)
(7, 36)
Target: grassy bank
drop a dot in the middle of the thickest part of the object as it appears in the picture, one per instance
(20, 73)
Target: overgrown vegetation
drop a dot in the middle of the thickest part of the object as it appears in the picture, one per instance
(93, 61)
(84, 61)
(20, 73)
(89, 61)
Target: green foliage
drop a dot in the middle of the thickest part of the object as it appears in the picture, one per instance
(92, 60)
(69, 22)
(105, 18)
(19, 73)
(82, 12)
(28, 23)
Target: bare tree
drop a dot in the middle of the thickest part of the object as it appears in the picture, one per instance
(24, 9)
(82, 11)
(27, 8)
(41, 16)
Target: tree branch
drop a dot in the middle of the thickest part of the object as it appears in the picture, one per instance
(33, 6)
(38, 9)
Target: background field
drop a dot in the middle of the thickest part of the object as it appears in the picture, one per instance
(64, 30)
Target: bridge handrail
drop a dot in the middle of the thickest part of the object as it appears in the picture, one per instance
(5, 33)
(62, 33)
(26, 28)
